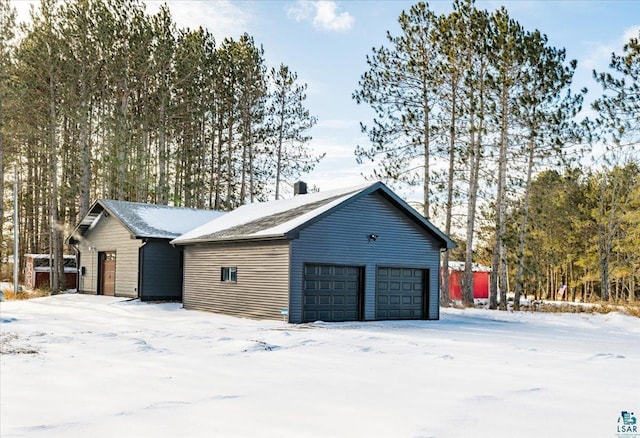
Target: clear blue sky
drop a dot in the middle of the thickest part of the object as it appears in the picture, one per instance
(326, 43)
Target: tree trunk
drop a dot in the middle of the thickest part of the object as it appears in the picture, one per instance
(444, 297)
(474, 162)
(251, 173)
(604, 274)
(213, 165)
(474, 176)
(499, 249)
(523, 229)
(85, 130)
(163, 195)
(279, 148)
(245, 159)
(426, 176)
(56, 253)
(228, 203)
(1, 181)
(218, 202)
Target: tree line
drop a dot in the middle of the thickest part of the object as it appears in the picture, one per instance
(100, 99)
(471, 107)
(584, 233)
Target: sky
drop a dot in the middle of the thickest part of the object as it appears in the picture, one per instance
(326, 43)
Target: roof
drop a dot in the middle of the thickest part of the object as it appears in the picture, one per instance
(145, 220)
(47, 256)
(460, 266)
(286, 217)
(48, 269)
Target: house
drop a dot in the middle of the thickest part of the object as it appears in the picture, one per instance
(37, 271)
(481, 276)
(360, 253)
(123, 248)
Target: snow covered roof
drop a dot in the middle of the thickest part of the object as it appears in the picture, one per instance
(146, 220)
(284, 217)
(475, 267)
(47, 256)
(48, 269)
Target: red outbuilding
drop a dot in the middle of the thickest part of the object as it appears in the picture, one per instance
(481, 275)
(37, 271)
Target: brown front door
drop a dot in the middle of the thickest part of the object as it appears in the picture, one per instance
(107, 273)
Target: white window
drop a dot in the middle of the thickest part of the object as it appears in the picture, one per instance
(229, 275)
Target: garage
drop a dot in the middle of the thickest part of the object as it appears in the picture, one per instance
(401, 293)
(332, 293)
(317, 257)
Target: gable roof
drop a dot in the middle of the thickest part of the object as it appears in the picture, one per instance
(284, 218)
(145, 220)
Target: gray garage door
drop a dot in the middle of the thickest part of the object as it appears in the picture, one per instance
(331, 293)
(400, 293)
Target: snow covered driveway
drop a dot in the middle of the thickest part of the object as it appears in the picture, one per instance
(93, 366)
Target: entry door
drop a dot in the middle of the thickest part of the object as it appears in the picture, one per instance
(107, 272)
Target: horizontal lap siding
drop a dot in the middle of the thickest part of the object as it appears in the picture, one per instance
(342, 238)
(110, 235)
(263, 278)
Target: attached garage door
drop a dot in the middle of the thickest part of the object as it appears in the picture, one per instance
(331, 293)
(400, 293)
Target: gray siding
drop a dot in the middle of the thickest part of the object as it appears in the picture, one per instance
(110, 235)
(160, 271)
(341, 238)
(263, 278)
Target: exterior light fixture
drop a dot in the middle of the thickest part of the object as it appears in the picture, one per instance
(373, 237)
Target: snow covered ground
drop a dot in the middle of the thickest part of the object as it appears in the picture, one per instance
(93, 366)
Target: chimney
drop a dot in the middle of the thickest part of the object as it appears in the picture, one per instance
(299, 188)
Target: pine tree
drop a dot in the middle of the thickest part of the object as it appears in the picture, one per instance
(251, 97)
(83, 25)
(506, 56)
(192, 82)
(44, 57)
(400, 87)
(611, 192)
(7, 27)
(163, 54)
(619, 108)
(618, 125)
(546, 108)
(477, 101)
(461, 41)
(557, 232)
(286, 125)
(630, 241)
(449, 36)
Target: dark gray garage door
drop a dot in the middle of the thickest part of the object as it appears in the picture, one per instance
(400, 293)
(331, 293)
